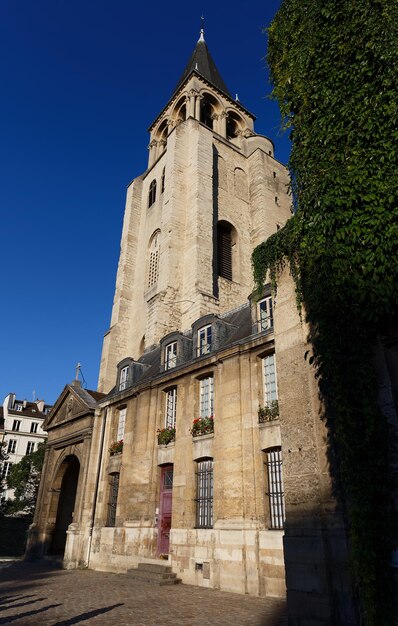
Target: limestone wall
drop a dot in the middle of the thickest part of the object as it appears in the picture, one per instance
(239, 553)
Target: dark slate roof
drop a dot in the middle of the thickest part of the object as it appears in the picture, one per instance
(88, 396)
(201, 61)
(240, 323)
(29, 409)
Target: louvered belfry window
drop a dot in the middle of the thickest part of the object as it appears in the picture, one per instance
(224, 250)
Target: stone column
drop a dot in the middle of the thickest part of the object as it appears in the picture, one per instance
(191, 103)
(197, 106)
(152, 152)
(216, 123)
(223, 123)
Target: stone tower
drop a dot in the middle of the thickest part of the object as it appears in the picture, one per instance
(211, 193)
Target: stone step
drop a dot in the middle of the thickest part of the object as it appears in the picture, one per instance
(154, 567)
(154, 573)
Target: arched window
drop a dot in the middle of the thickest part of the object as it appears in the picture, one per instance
(163, 180)
(206, 113)
(240, 184)
(153, 265)
(225, 241)
(152, 193)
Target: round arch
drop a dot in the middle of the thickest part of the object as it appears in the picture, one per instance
(63, 490)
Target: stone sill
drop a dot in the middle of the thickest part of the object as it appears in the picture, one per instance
(202, 437)
(269, 424)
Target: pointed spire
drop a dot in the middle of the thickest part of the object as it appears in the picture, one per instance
(202, 29)
(202, 62)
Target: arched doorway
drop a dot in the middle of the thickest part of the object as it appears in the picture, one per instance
(66, 503)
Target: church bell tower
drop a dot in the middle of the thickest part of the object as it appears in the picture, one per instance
(211, 193)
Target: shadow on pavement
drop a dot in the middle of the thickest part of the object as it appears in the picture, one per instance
(13, 618)
(15, 606)
(88, 615)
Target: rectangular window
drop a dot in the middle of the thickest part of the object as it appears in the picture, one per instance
(265, 314)
(112, 502)
(16, 425)
(33, 427)
(206, 397)
(6, 469)
(204, 340)
(123, 381)
(275, 488)
(171, 408)
(12, 446)
(18, 407)
(121, 424)
(170, 355)
(204, 494)
(30, 447)
(269, 373)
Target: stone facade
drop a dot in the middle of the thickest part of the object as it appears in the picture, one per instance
(186, 350)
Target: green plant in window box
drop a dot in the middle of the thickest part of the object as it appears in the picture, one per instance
(116, 447)
(202, 426)
(269, 412)
(166, 435)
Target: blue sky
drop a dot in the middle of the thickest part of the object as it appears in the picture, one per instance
(81, 82)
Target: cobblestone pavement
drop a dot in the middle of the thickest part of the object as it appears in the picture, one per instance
(36, 595)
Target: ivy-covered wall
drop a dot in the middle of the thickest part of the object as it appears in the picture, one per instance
(334, 71)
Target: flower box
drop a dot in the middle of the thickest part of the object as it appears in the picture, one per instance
(202, 426)
(269, 412)
(166, 435)
(116, 447)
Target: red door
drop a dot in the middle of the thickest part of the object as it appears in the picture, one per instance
(165, 508)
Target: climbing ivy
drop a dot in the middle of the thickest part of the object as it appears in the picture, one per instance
(334, 73)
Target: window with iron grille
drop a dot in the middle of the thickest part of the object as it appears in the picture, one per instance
(121, 423)
(265, 314)
(204, 494)
(224, 250)
(170, 355)
(275, 488)
(204, 340)
(123, 380)
(152, 193)
(269, 373)
(33, 427)
(12, 446)
(16, 425)
(206, 408)
(153, 267)
(30, 447)
(171, 408)
(112, 502)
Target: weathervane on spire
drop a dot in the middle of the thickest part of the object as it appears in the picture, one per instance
(202, 29)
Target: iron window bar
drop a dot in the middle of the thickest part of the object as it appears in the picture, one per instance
(204, 490)
(275, 489)
(112, 503)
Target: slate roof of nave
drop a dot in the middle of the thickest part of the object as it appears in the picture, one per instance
(241, 329)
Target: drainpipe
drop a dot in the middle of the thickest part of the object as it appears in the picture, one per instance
(97, 479)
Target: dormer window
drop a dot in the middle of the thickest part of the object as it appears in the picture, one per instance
(124, 375)
(170, 355)
(204, 340)
(18, 407)
(265, 314)
(152, 193)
